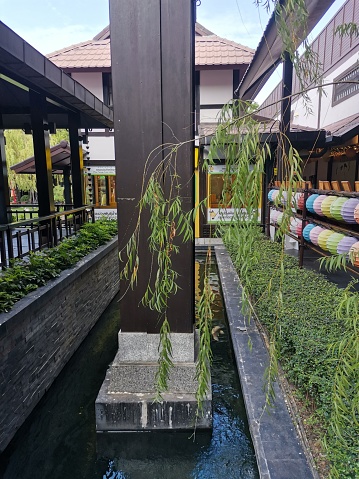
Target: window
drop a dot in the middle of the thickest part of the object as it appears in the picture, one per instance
(343, 90)
(107, 89)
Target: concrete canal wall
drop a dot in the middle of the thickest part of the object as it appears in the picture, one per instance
(43, 330)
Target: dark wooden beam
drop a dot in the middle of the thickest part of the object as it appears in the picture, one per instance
(149, 40)
(4, 183)
(67, 186)
(77, 160)
(42, 154)
(284, 125)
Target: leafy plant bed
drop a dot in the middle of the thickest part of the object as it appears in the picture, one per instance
(300, 310)
(27, 275)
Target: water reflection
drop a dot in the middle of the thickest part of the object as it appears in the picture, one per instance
(59, 439)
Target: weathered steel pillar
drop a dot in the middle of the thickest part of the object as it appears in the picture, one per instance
(42, 154)
(4, 183)
(77, 161)
(152, 57)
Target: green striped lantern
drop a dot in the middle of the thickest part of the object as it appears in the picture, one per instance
(336, 208)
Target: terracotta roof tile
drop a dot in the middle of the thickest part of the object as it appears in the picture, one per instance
(211, 50)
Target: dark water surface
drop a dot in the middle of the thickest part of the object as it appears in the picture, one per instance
(59, 440)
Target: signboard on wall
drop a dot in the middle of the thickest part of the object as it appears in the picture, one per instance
(101, 170)
(108, 213)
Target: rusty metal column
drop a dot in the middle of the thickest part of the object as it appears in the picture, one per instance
(4, 183)
(42, 154)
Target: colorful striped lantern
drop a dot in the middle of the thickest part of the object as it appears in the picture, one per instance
(317, 205)
(300, 228)
(323, 238)
(314, 233)
(300, 201)
(326, 204)
(306, 232)
(345, 244)
(275, 194)
(279, 218)
(274, 216)
(333, 241)
(356, 214)
(336, 208)
(355, 250)
(270, 194)
(294, 223)
(348, 210)
(283, 197)
(310, 202)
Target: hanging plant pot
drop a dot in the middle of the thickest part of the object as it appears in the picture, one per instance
(333, 241)
(306, 232)
(326, 204)
(317, 205)
(345, 244)
(314, 233)
(336, 208)
(310, 202)
(348, 208)
(323, 238)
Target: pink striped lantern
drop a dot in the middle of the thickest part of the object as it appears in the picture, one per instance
(274, 216)
(294, 223)
(348, 208)
(356, 213)
(300, 229)
(355, 251)
(274, 195)
(314, 233)
(345, 244)
(300, 201)
(317, 206)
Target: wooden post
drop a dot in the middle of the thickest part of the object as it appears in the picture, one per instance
(77, 161)
(153, 74)
(284, 126)
(5, 216)
(42, 154)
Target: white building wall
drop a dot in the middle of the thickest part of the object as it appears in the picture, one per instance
(90, 80)
(216, 87)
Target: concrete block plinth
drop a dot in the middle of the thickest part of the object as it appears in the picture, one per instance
(126, 399)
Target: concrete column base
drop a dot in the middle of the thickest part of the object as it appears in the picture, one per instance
(126, 399)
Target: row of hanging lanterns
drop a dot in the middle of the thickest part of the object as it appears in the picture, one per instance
(336, 207)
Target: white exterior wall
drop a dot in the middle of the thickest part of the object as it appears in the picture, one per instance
(92, 81)
(328, 114)
(216, 87)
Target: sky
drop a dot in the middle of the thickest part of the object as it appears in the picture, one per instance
(50, 25)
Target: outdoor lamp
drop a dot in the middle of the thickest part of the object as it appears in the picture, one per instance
(323, 238)
(348, 210)
(333, 241)
(314, 233)
(326, 204)
(336, 208)
(306, 232)
(345, 244)
(310, 202)
(317, 205)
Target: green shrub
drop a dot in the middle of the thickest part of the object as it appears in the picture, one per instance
(40, 267)
(303, 317)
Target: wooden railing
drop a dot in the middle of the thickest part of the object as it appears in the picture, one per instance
(20, 238)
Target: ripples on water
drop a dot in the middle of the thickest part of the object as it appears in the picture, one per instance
(59, 439)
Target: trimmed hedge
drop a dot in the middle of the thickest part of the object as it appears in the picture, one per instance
(305, 327)
(27, 275)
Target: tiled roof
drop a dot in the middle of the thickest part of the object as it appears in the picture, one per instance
(210, 51)
(213, 50)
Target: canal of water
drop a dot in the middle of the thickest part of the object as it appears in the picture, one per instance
(59, 439)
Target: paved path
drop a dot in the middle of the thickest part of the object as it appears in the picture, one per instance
(279, 451)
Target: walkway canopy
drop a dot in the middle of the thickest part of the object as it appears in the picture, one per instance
(38, 97)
